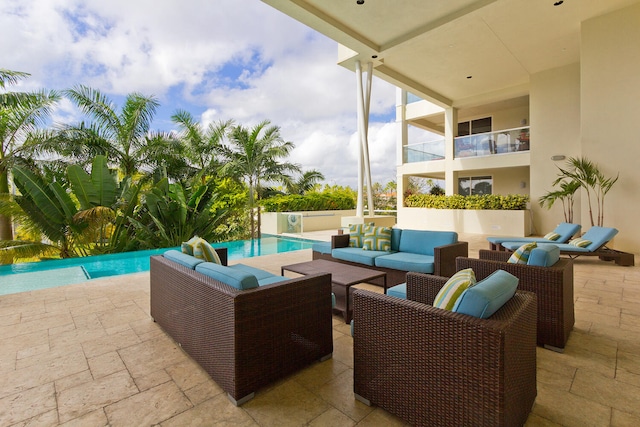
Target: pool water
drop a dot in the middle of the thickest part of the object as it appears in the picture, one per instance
(46, 274)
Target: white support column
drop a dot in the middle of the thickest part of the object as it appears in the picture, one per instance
(450, 132)
(364, 166)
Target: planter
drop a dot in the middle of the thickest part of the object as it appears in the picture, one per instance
(491, 222)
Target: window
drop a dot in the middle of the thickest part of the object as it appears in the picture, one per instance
(475, 185)
(474, 126)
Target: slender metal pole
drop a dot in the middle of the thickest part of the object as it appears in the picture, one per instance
(365, 140)
(360, 105)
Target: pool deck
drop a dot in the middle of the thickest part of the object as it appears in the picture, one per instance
(90, 355)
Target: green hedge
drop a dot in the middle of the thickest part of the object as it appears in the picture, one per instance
(456, 201)
(308, 202)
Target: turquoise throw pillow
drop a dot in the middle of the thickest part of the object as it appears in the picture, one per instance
(487, 296)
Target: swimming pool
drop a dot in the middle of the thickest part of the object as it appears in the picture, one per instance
(47, 274)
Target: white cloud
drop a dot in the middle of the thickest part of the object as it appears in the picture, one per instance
(281, 70)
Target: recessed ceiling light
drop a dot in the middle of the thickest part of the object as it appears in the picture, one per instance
(558, 3)
(374, 56)
(360, 1)
(469, 77)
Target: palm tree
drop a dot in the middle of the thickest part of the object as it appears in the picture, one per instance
(123, 136)
(306, 182)
(565, 195)
(254, 156)
(202, 145)
(21, 114)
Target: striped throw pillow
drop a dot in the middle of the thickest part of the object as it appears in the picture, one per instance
(455, 286)
(552, 236)
(189, 246)
(377, 239)
(581, 243)
(521, 255)
(207, 252)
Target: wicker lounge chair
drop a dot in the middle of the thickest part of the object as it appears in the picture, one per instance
(565, 230)
(553, 285)
(599, 237)
(431, 367)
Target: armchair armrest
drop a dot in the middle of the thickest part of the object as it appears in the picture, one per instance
(339, 241)
(223, 255)
(445, 258)
(423, 288)
(502, 256)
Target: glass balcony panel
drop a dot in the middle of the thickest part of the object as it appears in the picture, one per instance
(486, 144)
(423, 151)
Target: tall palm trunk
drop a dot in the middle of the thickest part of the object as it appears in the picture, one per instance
(6, 229)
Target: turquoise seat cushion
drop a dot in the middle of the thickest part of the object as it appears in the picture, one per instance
(272, 279)
(232, 277)
(322, 247)
(258, 273)
(423, 241)
(398, 291)
(186, 260)
(358, 255)
(407, 261)
(487, 296)
(544, 255)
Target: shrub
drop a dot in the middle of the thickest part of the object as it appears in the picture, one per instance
(456, 201)
(308, 202)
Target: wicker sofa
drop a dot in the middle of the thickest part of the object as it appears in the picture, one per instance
(431, 367)
(244, 339)
(552, 284)
(431, 252)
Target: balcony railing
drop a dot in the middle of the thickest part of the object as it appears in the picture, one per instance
(423, 152)
(486, 144)
(481, 144)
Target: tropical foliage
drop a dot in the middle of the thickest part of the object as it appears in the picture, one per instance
(580, 173)
(457, 201)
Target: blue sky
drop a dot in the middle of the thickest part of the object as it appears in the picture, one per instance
(221, 59)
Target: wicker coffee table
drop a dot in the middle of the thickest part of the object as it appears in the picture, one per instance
(343, 276)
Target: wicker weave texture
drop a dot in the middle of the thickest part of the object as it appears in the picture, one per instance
(444, 259)
(433, 367)
(553, 286)
(243, 339)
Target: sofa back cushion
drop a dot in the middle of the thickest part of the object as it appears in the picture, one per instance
(544, 255)
(396, 234)
(188, 261)
(487, 296)
(232, 277)
(423, 241)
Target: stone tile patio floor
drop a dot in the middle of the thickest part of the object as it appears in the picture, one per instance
(90, 355)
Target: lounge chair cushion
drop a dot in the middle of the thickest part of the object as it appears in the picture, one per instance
(231, 276)
(544, 255)
(186, 260)
(521, 255)
(377, 239)
(487, 296)
(454, 287)
(406, 261)
(398, 291)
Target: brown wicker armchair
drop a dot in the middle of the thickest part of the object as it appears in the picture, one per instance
(434, 367)
(553, 286)
(244, 339)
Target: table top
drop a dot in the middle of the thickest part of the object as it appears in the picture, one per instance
(341, 274)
